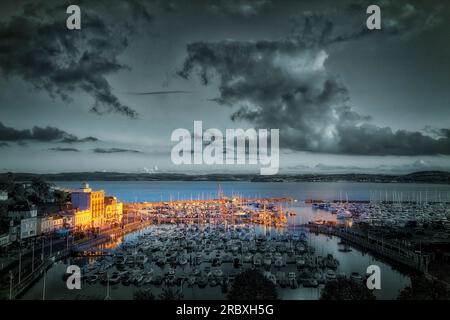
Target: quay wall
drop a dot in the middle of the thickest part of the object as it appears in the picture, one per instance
(29, 278)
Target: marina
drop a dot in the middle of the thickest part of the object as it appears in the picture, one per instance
(195, 248)
(202, 262)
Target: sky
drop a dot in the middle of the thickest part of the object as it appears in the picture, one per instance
(108, 97)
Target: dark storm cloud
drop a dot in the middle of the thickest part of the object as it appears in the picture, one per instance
(149, 93)
(60, 149)
(37, 47)
(115, 150)
(399, 19)
(284, 84)
(73, 139)
(243, 8)
(47, 134)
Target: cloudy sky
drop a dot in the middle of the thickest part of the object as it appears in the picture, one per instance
(108, 96)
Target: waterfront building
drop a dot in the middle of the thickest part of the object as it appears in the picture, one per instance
(44, 225)
(82, 219)
(13, 231)
(3, 196)
(22, 211)
(94, 201)
(28, 228)
(58, 222)
(113, 211)
(4, 240)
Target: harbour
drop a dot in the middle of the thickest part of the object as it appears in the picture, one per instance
(199, 259)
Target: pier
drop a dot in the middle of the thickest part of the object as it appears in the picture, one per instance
(388, 250)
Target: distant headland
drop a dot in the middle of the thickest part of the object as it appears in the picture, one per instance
(441, 177)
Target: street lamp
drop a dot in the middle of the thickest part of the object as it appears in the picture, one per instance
(10, 284)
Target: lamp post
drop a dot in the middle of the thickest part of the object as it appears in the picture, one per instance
(20, 262)
(10, 284)
(32, 258)
(43, 288)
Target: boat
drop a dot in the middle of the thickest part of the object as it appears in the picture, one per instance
(198, 258)
(345, 248)
(171, 273)
(115, 278)
(279, 263)
(92, 279)
(182, 261)
(330, 275)
(343, 214)
(301, 263)
(248, 258)
(212, 282)
(310, 283)
(192, 281)
(196, 271)
(292, 278)
(141, 259)
(355, 276)
(202, 282)
(126, 281)
(161, 262)
(148, 279)
(271, 277)
(138, 278)
(218, 272)
(267, 261)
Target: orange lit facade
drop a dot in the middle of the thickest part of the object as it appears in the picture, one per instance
(92, 201)
(82, 219)
(113, 211)
(98, 208)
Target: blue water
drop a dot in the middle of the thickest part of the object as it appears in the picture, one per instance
(137, 191)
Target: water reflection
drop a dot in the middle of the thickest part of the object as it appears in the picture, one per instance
(350, 260)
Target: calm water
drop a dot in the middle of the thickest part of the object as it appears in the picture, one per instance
(392, 281)
(137, 191)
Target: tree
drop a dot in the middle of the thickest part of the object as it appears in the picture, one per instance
(252, 285)
(422, 288)
(41, 189)
(344, 288)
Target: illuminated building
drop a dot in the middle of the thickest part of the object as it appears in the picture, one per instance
(113, 211)
(82, 219)
(44, 225)
(94, 201)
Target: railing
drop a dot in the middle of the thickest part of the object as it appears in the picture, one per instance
(26, 281)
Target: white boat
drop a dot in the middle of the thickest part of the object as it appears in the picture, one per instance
(300, 262)
(343, 214)
(218, 272)
(330, 275)
(192, 281)
(355, 276)
(138, 278)
(182, 261)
